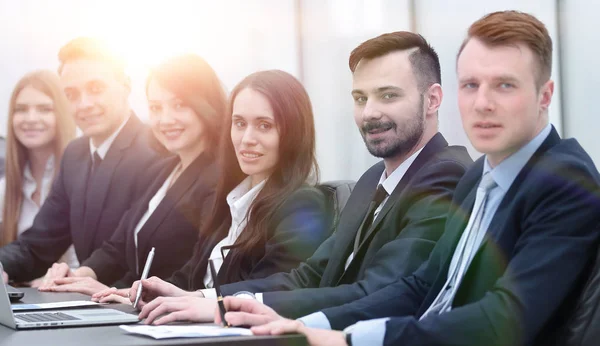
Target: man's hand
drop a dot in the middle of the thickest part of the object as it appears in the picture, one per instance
(315, 337)
(57, 271)
(4, 277)
(85, 285)
(187, 308)
(246, 312)
(152, 288)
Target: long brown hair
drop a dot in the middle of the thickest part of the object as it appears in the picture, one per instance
(195, 82)
(297, 163)
(48, 83)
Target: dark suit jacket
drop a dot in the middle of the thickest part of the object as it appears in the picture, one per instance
(398, 241)
(70, 215)
(299, 226)
(541, 238)
(172, 228)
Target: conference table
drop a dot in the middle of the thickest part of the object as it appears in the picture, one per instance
(113, 335)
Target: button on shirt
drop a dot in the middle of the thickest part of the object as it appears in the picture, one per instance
(239, 200)
(29, 208)
(372, 332)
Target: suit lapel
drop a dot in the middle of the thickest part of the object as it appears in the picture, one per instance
(434, 146)
(502, 240)
(346, 233)
(100, 182)
(172, 199)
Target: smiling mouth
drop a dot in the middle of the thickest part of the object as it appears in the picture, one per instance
(172, 133)
(251, 155)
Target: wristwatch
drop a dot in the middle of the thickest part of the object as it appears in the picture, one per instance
(245, 295)
(348, 338)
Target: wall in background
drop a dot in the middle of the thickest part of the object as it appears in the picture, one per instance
(311, 39)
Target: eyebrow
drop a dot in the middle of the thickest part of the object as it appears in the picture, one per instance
(257, 118)
(380, 89)
(50, 104)
(501, 78)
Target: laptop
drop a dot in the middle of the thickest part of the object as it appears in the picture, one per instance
(13, 294)
(58, 319)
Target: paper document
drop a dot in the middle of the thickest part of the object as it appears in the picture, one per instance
(170, 331)
(57, 305)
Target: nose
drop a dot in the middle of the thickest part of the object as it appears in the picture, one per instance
(32, 115)
(166, 117)
(483, 102)
(85, 102)
(249, 137)
(371, 112)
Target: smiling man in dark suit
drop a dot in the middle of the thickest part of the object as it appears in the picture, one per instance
(524, 223)
(101, 173)
(398, 208)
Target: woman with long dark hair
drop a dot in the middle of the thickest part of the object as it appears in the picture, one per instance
(268, 217)
(187, 107)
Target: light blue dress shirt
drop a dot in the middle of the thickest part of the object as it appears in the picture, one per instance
(372, 333)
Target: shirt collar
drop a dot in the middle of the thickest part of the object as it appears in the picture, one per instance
(506, 172)
(29, 183)
(240, 198)
(105, 146)
(48, 170)
(390, 183)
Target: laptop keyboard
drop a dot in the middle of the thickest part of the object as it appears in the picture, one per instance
(45, 317)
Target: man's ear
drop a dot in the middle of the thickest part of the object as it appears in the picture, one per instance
(434, 99)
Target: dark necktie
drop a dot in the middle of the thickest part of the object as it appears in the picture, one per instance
(96, 160)
(380, 195)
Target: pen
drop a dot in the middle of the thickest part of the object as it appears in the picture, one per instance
(144, 277)
(213, 273)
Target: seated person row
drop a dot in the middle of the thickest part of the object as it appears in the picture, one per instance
(266, 218)
(522, 230)
(101, 173)
(396, 106)
(39, 128)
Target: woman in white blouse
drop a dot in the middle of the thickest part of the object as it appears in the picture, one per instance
(268, 216)
(39, 128)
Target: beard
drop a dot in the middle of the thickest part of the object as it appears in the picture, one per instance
(404, 140)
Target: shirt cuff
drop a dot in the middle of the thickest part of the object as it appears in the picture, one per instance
(316, 320)
(209, 293)
(259, 297)
(367, 333)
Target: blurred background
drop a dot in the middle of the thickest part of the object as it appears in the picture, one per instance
(311, 39)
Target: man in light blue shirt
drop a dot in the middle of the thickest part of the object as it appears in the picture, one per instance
(522, 228)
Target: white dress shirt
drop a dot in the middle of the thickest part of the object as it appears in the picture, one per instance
(239, 200)
(29, 208)
(152, 205)
(105, 146)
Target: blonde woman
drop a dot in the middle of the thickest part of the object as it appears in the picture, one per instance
(38, 130)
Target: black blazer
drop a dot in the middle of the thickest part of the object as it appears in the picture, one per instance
(299, 226)
(526, 272)
(70, 215)
(398, 241)
(172, 228)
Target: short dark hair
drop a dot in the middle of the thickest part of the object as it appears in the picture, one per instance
(512, 27)
(424, 60)
(93, 49)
